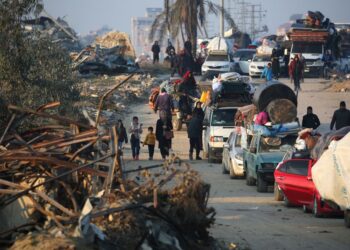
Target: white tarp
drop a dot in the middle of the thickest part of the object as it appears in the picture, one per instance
(221, 44)
(266, 47)
(331, 173)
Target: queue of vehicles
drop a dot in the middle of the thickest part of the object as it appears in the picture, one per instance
(265, 158)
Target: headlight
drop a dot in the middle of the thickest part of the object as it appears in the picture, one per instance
(239, 157)
(216, 139)
(268, 165)
(318, 63)
(253, 66)
(205, 67)
(225, 66)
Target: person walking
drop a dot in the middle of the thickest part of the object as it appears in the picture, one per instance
(170, 49)
(164, 104)
(275, 64)
(267, 73)
(155, 51)
(194, 132)
(310, 120)
(296, 68)
(341, 117)
(122, 136)
(164, 135)
(150, 141)
(198, 111)
(135, 130)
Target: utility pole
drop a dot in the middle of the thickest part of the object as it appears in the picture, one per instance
(222, 20)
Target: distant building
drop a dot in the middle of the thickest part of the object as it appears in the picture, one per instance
(140, 29)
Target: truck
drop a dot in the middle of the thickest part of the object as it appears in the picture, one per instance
(269, 144)
(263, 156)
(310, 43)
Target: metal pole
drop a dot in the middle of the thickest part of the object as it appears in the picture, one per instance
(222, 23)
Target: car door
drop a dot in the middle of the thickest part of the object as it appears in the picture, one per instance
(251, 158)
(296, 185)
(206, 131)
(226, 151)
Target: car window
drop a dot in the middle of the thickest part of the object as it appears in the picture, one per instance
(261, 59)
(223, 117)
(253, 142)
(244, 55)
(298, 167)
(307, 48)
(220, 58)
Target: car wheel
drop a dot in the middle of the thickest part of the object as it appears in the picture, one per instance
(249, 180)
(277, 193)
(286, 202)
(224, 170)
(177, 124)
(210, 156)
(232, 171)
(316, 208)
(306, 209)
(347, 218)
(261, 184)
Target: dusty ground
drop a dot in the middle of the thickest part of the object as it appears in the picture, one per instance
(253, 220)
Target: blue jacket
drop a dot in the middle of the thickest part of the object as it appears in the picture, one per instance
(267, 72)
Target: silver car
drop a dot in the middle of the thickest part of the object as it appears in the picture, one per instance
(232, 158)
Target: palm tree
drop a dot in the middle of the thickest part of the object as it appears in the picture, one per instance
(186, 17)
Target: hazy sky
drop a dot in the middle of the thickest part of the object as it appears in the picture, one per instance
(86, 15)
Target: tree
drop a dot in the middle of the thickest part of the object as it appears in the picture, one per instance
(186, 17)
(33, 70)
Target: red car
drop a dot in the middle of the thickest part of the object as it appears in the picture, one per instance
(294, 181)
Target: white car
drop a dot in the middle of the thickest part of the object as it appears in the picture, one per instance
(219, 62)
(258, 64)
(242, 59)
(218, 123)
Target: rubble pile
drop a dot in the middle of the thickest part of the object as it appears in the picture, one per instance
(340, 86)
(110, 54)
(132, 91)
(64, 183)
(57, 29)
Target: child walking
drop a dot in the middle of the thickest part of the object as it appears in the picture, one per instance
(150, 141)
(135, 130)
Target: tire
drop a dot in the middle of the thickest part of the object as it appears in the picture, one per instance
(177, 124)
(224, 170)
(286, 202)
(347, 218)
(277, 193)
(249, 180)
(210, 157)
(232, 171)
(316, 209)
(306, 209)
(261, 184)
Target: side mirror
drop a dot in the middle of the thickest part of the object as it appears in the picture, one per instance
(226, 145)
(252, 150)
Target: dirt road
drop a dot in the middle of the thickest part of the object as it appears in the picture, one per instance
(253, 220)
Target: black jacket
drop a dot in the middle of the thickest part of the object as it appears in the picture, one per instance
(341, 118)
(195, 126)
(122, 135)
(311, 121)
(155, 49)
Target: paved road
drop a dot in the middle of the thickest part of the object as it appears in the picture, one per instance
(253, 220)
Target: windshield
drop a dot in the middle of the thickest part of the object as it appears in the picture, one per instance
(220, 58)
(244, 55)
(273, 144)
(307, 48)
(262, 59)
(223, 117)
